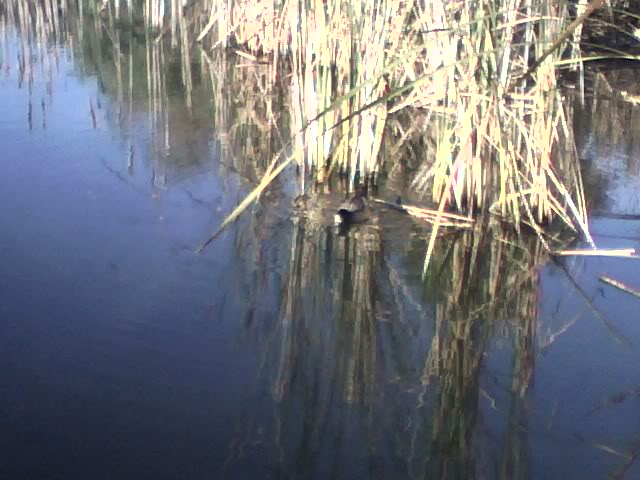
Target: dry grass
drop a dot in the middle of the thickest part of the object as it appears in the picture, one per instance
(502, 137)
(464, 91)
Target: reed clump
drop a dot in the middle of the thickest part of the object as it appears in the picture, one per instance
(477, 81)
(462, 95)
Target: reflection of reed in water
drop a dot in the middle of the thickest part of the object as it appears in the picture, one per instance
(341, 303)
(612, 114)
(181, 90)
(37, 30)
(322, 350)
(247, 115)
(488, 291)
(606, 125)
(133, 66)
(340, 358)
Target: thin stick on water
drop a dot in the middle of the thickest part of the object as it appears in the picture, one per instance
(612, 329)
(621, 286)
(619, 252)
(264, 183)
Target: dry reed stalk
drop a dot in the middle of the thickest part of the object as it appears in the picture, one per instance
(430, 215)
(616, 283)
(620, 252)
(235, 214)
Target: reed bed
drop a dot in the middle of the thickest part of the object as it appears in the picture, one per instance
(463, 93)
(468, 89)
(351, 65)
(500, 142)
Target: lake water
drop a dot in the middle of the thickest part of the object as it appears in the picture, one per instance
(285, 350)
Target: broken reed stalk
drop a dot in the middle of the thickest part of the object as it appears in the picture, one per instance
(255, 193)
(609, 326)
(429, 215)
(621, 286)
(619, 252)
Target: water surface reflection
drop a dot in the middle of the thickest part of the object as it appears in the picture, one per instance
(288, 350)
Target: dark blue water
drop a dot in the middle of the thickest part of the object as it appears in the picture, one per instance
(285, 351)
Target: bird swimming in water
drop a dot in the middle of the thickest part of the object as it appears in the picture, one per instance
(354, 210)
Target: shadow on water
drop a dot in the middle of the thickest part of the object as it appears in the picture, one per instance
(291, 350)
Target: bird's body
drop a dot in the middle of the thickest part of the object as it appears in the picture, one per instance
(354, 210)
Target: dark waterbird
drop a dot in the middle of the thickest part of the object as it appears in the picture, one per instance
(357, 209)
(353, 210)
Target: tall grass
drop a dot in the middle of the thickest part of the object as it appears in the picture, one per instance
(465, 94)
(465, 73)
